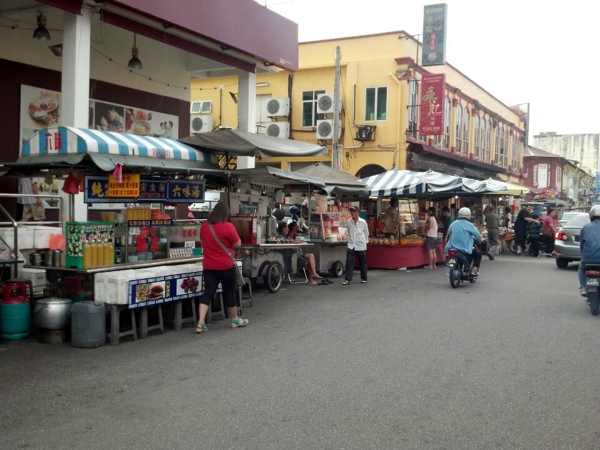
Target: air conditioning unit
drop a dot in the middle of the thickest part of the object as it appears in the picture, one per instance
(277, 107)
(325, 104)
(325, 129)
(201, 123)
(277, 129)
(201, 107)
(365, 133)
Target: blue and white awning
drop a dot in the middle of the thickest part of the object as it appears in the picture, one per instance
(408, 183)
(69, 140)
(395, 182)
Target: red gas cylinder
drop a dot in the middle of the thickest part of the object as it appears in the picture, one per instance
(16, 291)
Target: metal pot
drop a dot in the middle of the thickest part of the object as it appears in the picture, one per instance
(52, 313)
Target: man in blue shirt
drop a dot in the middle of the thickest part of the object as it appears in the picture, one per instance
(462, 236)
(589, 242)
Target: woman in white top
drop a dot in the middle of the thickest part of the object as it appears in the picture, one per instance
(431, 241)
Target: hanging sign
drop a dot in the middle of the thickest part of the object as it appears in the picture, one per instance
(431, 120)
(153, 190)
(128, 188)
(186, 191)
(98, 190)
(434, 35)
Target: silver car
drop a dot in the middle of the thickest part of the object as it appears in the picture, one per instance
(566, 242)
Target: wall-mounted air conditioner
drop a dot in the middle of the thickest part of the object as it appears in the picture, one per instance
(200, 123)
(325, 104)
(325, 129)
(277, 129)
(277, 107)
(201, 107)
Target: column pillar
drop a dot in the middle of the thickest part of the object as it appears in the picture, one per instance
(247, 111)
(75, 81)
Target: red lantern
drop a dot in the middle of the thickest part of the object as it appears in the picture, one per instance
(71, 185)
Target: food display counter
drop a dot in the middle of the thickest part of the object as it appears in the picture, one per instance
(381, 256)
(406, 247)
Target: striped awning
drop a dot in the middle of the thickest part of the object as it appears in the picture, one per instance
(61, 141)
(408, 183)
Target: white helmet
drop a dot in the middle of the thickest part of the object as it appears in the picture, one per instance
(464, 213)
(595, 212)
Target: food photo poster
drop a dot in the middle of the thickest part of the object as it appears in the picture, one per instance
(40, 108)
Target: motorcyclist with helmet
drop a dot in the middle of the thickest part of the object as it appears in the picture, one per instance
(463, 235)
(589, 242)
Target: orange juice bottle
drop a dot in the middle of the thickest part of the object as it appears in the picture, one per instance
(87, 256)
(107, 254)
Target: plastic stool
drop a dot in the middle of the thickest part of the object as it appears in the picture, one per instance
(219, 295)
(145, 328)
(115, 333)
(249, 299)
(178, 320)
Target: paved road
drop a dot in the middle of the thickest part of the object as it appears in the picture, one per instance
(405, 363)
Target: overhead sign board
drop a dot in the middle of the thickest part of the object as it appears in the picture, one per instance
(431, 120)
(434, 34)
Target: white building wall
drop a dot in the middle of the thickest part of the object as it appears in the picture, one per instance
(161, 62)
(583, 148)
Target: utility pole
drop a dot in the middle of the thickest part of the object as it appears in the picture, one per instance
(336, 157)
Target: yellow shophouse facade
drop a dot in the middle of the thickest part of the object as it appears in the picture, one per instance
(380, 87)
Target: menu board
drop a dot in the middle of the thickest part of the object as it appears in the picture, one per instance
(164, 289)
(97, 190)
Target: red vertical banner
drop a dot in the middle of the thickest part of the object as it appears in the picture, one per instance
(431, 121)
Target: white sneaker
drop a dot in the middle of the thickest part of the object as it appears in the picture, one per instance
(239, 323)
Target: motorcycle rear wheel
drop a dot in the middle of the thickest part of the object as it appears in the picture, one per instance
(455, 277)
(594, 301)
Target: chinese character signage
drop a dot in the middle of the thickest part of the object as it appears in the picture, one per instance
(153, 190)
(100, 190)
(128, 188)
(431, 120)
(434, 35)
(186, 191)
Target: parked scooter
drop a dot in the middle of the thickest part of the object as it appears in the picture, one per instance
(460, 269)
(592, 287)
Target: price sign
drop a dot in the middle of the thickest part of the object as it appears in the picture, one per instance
(129, 188)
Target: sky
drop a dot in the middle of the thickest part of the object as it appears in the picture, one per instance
(542, 52)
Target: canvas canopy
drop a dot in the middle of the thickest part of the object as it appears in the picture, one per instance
(243, 143)
(408, 183)
(64, 147)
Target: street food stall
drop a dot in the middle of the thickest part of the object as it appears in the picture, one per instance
(329, 209)
(266, 254)
(251, 199)
(406, 247)
(132, 252)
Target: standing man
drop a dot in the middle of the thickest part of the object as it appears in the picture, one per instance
(549, 229)
(492, 223)
(391, 219)
(358, 237)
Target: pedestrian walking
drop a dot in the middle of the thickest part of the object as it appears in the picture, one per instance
(220, 241)
(549, 229)
(431, 238)
(492, 224)
(520, 228)
(507, 217)
(534, 234)
(445, 221)
(358, 237)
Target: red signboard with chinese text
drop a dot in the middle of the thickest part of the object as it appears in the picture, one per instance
(431, 121)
